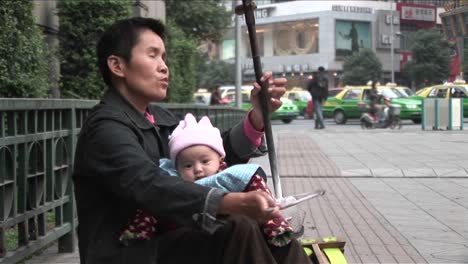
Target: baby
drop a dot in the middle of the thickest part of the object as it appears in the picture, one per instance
(197, 155)
(196, 150)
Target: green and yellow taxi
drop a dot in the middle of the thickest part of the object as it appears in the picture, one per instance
(286, 113)
(202, 96)
(299, 97)
(457, 89)
(230, 96)
(347, 103)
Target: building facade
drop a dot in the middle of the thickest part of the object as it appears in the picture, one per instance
(455, 26)
(297, 37)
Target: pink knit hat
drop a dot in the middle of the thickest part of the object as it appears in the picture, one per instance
(189, 133)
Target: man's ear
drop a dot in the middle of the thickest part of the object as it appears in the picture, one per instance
(116, 65)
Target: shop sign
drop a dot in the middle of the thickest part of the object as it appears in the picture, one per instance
(261, 13)
(352, 9)
(417, 13)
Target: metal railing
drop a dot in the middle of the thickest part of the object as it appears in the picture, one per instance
(37, 146)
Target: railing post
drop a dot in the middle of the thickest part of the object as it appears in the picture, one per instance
(66, 243)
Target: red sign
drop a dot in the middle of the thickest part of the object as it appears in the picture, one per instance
(405, 56)
(417, 14)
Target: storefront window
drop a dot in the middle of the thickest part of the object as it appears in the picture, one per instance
(295, 38)
(351, 36)
(260, 43)
(228, 49)
(300, 39)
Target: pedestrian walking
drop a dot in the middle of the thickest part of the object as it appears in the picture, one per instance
(216, 96)
(318, 88)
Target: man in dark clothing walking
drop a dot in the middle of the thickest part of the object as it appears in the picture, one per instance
(318, 88)
(216, 96)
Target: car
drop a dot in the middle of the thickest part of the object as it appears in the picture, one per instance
(457, 89)
(286, 113)
(299, 97)
(347, 103)
(309, 113)
(229, 89)
(202, 96)
(403, 90)
(230, 97)
(334, 91)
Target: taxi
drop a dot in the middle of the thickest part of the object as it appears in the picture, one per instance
(230, 89)
(347, 103)
(202, 96)
(230, 97)
(299, 97)
(457, 89)
(286, 113)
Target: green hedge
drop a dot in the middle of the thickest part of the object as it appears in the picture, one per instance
(81, 24)
(182, 58)
(23, 57)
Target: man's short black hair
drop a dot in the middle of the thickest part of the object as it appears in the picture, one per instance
(321, 69)
(120, 38)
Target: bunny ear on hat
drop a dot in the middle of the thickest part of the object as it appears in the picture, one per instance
(205, 121)
(190, 119)
(187, 121)
(189, 133)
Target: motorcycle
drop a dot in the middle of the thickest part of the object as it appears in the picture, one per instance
(389, 118)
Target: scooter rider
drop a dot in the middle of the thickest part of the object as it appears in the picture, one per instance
(375, 106)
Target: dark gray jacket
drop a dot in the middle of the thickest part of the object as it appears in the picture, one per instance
(117, 171)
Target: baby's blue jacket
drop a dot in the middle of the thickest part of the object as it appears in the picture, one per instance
(232, 179)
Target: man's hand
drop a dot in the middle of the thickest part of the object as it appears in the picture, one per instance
(276, 89)
(254, 204)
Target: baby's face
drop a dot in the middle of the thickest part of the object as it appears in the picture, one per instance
(198, 161)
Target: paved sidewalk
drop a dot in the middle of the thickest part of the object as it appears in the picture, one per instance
(394, 196)
(402, 195)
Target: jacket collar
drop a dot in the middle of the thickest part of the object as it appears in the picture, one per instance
(114, 98)
(163, 117)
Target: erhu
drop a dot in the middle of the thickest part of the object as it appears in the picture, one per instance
(247, 9)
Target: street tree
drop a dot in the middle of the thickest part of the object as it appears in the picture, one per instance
(211, 73)
(182, 62)
(361, 67)
(200, 20)
(23, 58)
(81, 24)
(430, 58)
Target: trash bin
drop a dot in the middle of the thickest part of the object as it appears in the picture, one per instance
(442, 114)
(428, 114)
(455, 113)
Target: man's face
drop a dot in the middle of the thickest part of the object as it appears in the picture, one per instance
(146, 74)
